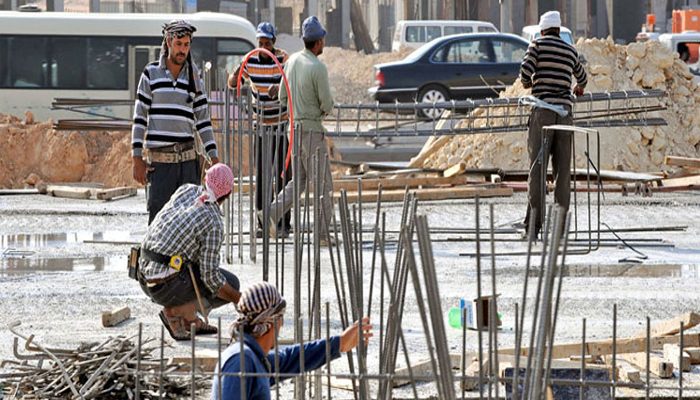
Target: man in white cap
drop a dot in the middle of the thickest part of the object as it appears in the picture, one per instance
(179, 264)
(261, 315)
(312, 100)
(548, 68)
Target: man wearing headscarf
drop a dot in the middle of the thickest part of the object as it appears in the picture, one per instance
(179, 264)
(261, 310)
(549, 66)
(170, 106)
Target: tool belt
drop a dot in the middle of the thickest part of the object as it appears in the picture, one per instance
(175, 262)
(179, 152)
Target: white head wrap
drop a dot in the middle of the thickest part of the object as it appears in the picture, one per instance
(550, 19)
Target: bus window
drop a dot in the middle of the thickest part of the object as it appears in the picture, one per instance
(106, 64)
(230, 53)
(454, 30)
(67, 62)
(202, 51)
(28, 69)
(3, 62)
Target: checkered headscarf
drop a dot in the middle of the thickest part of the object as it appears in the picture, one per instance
(218, 183)
(259, 306)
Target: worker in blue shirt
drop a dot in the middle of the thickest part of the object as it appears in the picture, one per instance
(261, 310)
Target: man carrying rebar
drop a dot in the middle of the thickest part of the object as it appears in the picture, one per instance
(312, 100)
(548, 68)
(271, 122)
(170, 102)
(179, 263)
(261, 315)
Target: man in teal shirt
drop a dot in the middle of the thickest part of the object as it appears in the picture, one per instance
(312, 100)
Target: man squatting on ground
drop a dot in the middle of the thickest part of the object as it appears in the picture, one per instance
(312, 100)
(265, 78)
(547, 68)
(170, 101)
(261, 312)
(184, 241)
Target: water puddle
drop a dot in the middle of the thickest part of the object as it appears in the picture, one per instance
(633, 271)
(34, 264)
(22, 253)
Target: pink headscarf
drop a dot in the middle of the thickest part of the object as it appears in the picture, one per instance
(218, 183)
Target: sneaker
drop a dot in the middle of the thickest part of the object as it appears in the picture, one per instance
(259, 233)
(283, 233)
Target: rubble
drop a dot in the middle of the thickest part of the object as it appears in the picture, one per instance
(610, 67)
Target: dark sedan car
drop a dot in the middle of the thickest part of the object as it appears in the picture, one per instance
(475, 65)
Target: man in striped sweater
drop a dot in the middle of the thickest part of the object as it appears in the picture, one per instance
(548, 68)
(271, 122)
(170, 106)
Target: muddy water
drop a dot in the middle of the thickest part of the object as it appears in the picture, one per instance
(54, 251)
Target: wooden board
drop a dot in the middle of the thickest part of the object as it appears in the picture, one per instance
(69, 192)
(115, 317)
(12, 192)
(689, 182)
(400, 183)
(109, 194)
(682, 161)
(672, 326)
(629, 345)
(462, 192)
(672, 352)
(455, 170)
(657, 365)
(694, 353)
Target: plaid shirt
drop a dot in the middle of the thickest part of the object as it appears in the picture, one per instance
(193, 231)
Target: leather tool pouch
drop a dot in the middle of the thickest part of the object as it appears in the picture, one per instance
(133, 264)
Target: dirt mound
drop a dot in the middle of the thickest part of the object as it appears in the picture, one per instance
(610, 67)
(34, 152)
(352, 73)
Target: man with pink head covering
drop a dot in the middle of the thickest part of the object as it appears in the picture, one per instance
(185, 235)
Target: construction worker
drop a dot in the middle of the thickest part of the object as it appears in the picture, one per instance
(179, 262)
(548, 67)
(261, 315)
(170, 101)
(312, 100)
(271, 121)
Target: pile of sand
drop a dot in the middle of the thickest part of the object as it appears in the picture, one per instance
(610, 67)
(34, 152)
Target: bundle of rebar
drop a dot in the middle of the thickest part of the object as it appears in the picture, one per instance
(117, 368)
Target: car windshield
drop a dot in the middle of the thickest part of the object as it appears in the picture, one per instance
(421, 51)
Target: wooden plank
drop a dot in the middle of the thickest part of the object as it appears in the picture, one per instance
(694, 353)
(115, 317)
(672, 326)
(682, 161)
(465, 192)
(672, 352)
(422, 369)
(629, 345)
(630, 374)
(455, 170)
(69, 192)
(657, 365)
(109, 194)
(400, 183)
(689, 182)
(13, 192)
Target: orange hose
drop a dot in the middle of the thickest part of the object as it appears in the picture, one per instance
(289, 96)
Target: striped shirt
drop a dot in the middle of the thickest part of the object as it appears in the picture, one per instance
(548, 66)
(263, 73)
(165, 113)
(194, 231)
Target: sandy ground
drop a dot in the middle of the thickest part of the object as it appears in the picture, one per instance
(59, 292)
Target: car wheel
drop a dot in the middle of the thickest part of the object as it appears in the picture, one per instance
(432, 94)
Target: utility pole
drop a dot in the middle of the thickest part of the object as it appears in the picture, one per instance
(506, 20)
